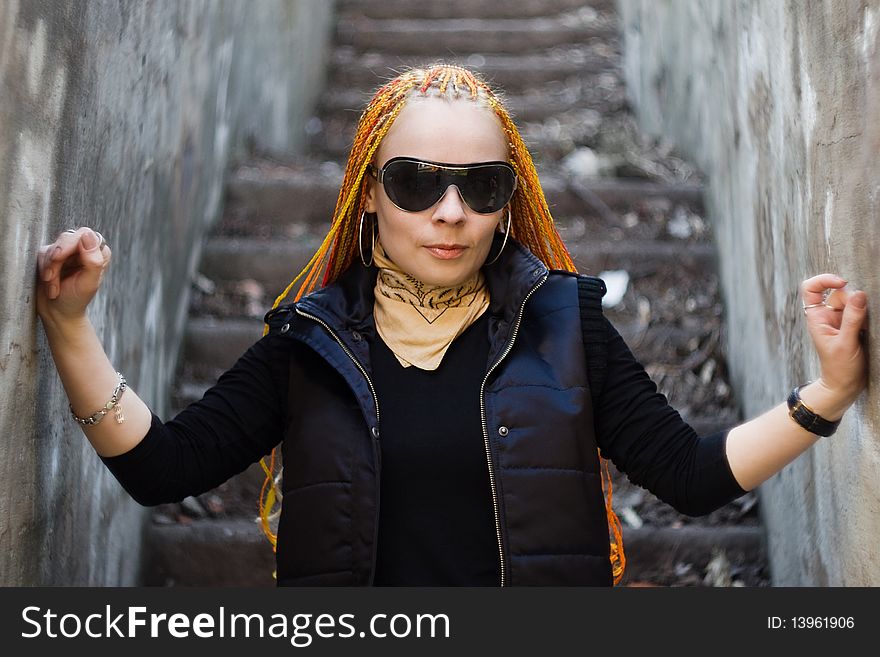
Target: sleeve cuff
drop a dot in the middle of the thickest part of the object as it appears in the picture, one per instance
(139, 452)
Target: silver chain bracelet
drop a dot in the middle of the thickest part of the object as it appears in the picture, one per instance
(97, 416)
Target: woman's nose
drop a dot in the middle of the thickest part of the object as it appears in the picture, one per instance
(451, 206)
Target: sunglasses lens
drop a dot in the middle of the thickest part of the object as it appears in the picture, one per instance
(415, 186)
(412, 185)
(488, 188)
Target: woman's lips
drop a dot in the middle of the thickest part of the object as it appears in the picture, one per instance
(446, 252)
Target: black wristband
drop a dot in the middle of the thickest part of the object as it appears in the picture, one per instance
(806, 417)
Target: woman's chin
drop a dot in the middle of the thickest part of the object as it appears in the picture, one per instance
(441, 272)
(445, 277)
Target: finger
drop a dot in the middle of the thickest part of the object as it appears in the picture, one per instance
(42, 269)
(60, 250)
(91, 258)
(67, 241)
(836, 299)
(855, 316)
(58, 260)
(104, 248)
(48, 269)
(813, 289)
(831, 313)
(51, 273)
(823, 317)
(89, 248)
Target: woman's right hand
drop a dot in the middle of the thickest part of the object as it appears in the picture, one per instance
(69, 272)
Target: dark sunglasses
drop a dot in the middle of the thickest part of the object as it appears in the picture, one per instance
(415, 185)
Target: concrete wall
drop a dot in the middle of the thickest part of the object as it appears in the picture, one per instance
(778, 102)
(122, 116)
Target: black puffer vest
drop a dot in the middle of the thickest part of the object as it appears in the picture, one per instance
(544, 471)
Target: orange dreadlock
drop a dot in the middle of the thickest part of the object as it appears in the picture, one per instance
(531, 224)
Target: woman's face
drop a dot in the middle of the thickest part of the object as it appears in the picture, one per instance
(456, 131)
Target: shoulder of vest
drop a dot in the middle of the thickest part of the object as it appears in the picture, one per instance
(278, 317)
(564, 272)
(592, 285)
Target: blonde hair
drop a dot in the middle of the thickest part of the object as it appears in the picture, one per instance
(531, 222)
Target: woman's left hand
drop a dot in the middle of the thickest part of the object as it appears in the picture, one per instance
(836, 316)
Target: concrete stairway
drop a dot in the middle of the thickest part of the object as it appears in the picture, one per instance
(559, 63)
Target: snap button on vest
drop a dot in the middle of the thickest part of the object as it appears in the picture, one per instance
(375, 432)
(502, 431)
(356, 336)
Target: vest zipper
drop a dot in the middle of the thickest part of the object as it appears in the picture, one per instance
(486, 428)
(375, 439)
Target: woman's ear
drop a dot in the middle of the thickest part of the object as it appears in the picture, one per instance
(370, 198)
(504, 220)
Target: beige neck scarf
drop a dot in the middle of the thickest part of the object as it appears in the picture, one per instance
(418, 322)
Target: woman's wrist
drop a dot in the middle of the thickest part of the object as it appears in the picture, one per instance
(64, 324)
(825, 401)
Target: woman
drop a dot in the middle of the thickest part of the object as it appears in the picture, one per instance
(440, 368)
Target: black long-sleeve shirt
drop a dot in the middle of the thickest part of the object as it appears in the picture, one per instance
(436, 521)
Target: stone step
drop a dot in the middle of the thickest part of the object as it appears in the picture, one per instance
(448, 36)
(512, 73)
(624, 193)
(548, 141)
(488, 9)
(186, 390)
(212, 345)
(274, 264)
(602, 92)
(231, 552)
(652, 551)
(236, 498)
(708, 424)
(235, 552)
(277, 195)
(334, 136)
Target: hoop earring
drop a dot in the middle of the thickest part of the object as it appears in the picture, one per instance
(361, 240)
(506, 233)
